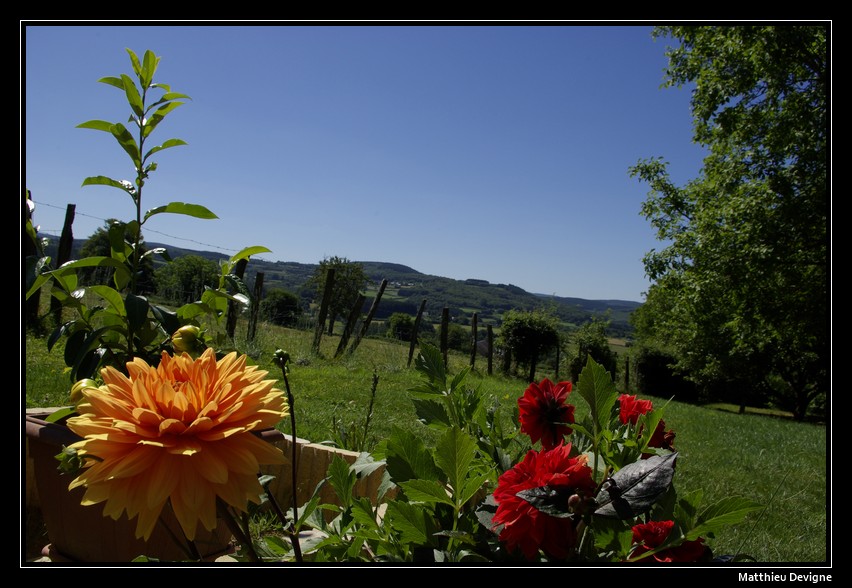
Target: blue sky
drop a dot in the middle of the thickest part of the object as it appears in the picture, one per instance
(497, 152)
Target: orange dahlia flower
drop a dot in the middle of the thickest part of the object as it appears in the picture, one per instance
(179, 432)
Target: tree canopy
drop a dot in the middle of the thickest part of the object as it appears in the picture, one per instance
(349, 279)
(739, 292)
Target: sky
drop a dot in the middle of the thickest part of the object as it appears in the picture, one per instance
(494, 152)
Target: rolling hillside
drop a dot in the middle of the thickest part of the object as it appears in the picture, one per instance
(407, 288)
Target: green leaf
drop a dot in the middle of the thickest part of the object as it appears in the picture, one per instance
(148, 68)
(431, 413)
(408, 458)
(410, 521)
(635, 488)
(168, 319)
(137, 310)
(111, 296)
(428, 491)
(156, 118)
(342, 480)
(97, 125)
(597, 389)
(248, 252)
(112, 81)
(133, 97)
(167, 145)
(105, 181)
(430, 363)
(194, 210)
(726, 512)
(58, 415)
(454, 453)
(128, 143)
(472, 485)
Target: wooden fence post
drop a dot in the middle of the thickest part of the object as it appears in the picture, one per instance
(415, 331)
(255, 304)
(445, 327)
(369, 318)
(233, 307)
(326, 298)
(473, 340)
(490, 347)
(63, 254)
(354, 313)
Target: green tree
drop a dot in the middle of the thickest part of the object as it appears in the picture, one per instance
(400, 326)
(740, 290)
(529, 334)
(349, 279)
(590, 340)
(183, 280)
(117, 235)
(280, 307)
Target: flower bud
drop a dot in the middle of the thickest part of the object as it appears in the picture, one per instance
(281, 358)
(186, 339)
(79, 386)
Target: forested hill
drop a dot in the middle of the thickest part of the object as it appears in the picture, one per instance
(407, 288)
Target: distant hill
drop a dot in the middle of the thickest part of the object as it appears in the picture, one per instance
(407, 288)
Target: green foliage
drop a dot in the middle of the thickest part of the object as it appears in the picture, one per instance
(349, 279)
(280, 307)
(113, 324)
(590, 340)
(400, 326)
(740, 291)
(116, 235)
(528, 334)
(185, 279)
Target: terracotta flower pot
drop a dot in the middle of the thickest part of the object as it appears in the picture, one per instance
(82, 533)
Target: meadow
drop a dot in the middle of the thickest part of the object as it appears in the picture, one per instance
(777, 462)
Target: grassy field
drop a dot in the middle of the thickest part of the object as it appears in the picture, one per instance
(777, 462)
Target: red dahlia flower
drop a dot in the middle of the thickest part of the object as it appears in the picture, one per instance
(524, 526)
(648, 536)
(544, 414)
(630, 407)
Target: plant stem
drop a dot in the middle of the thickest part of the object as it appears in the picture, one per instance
(297, 548)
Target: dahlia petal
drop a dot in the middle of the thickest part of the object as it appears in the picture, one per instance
(172, 427)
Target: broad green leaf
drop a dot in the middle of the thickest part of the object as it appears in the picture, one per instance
(410, 521)
(633, 490)
(97, 125)
(194, 210)
(58, 415)
(472, 485)
(156, 118)
(137, 310)
(95, 261)
(149, 67)
(430, 363)
(431, 413)
(363, 514)
(248, 252)
(454, 453)
(408, 458)
(428, 491)
(167, 145)
(111, 296)
(134, 61)
(132, 94)
(342, 480)
(124, 186)
(597, 389)
(167, 318)
(128, 143)
(192, 310)
(112, 81)
(612, 535)
(724, 513)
